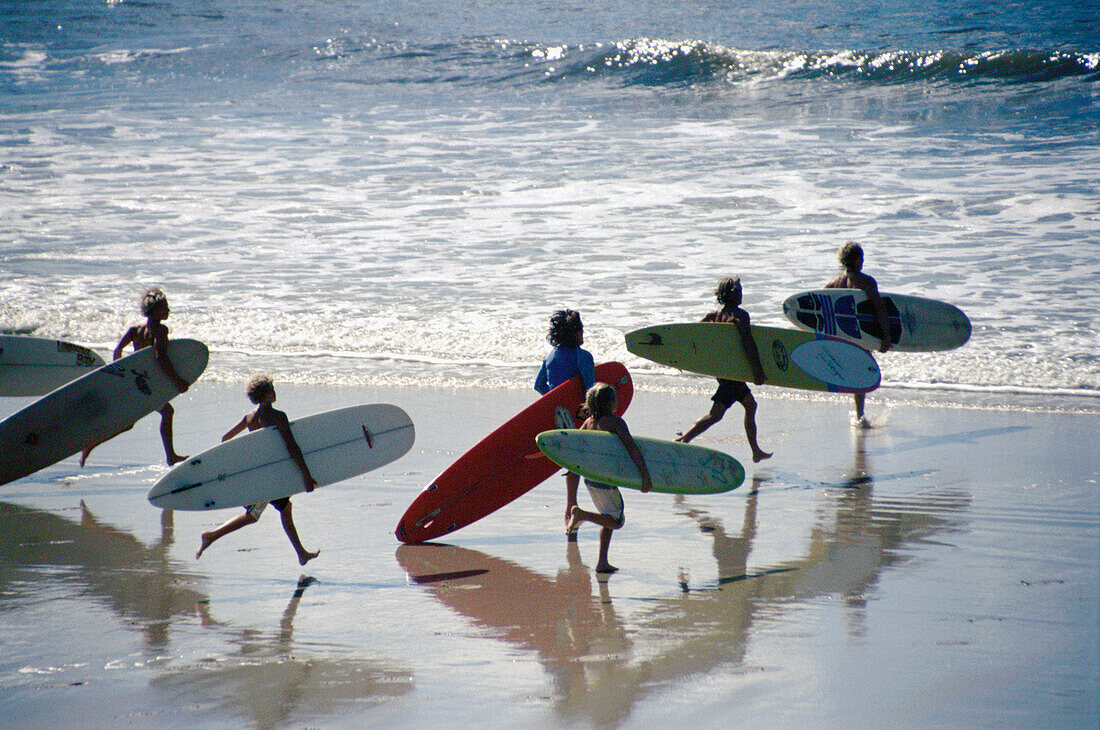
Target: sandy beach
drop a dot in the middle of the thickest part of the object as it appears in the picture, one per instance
(938, 570)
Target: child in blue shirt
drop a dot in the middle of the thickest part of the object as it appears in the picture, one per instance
(566, 360)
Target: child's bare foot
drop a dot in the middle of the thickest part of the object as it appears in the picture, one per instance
(305, 557)
(605, 568)
(176, 458)
(570, 525)
(759, 455)
(573, 523)
(206, 541)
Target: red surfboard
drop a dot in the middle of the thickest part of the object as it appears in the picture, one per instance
(504, 465)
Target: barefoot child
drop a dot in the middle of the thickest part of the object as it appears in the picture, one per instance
(600, 401)
(728, 294)
(567, 360)
(851, 259)
(154, 305)
(262, 392)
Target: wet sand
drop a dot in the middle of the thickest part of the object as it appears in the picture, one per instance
(938, 570)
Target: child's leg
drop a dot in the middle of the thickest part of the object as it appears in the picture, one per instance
(166, 415)
(607, 523)
(860, 399)
(717, 410)
(758, 454)
(572, 482)
(602, 565)
(232, 525)
(84, 454)
(304, 556)
(578, 515)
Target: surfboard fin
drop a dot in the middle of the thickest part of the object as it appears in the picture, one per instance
(427, 518)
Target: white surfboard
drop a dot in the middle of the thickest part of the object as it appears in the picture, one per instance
(674, 468)
(916, 324)
(93, 408)
(36, 365)
(256, 467)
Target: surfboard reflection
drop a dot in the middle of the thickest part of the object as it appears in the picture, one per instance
(570, 623)
(594, 658)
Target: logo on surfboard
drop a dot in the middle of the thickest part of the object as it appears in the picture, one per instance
(779, 354)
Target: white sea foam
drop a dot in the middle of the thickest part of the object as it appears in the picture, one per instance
(429, 242)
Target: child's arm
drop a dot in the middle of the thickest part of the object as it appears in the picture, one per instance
(871, 287)
(236, 429)
(587, 365)
(283, 425)
(126, 340)
(160, 351)
(617, 426)
(753, 354)
(542, 381)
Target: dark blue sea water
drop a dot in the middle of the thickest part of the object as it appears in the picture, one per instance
(403, 191)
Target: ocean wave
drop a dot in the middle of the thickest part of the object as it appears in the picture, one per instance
(645, 62)
(660, 62)
(657, 62)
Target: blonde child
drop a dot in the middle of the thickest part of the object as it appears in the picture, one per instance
(154, 305)
(600, 401)
(850, 256)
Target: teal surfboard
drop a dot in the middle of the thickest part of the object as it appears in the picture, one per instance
(674, 468)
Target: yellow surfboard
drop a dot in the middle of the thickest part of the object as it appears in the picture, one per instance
(790, 358)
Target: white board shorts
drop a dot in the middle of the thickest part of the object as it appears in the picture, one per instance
(608, 500)
(255, 510)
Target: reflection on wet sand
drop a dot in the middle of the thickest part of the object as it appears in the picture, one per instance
(587, 650)
(579, 639)
(853, 540)
(262, 678)
(106, 564)
(266, 682)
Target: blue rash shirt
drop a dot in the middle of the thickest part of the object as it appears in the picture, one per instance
(564, 363)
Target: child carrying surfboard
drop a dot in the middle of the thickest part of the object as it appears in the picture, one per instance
(600, 401)
(565, 361)
(851, 259)
(261, 391)
(728, 294)
(154, 333)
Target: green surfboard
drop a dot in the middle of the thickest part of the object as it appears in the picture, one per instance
(790, 358)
